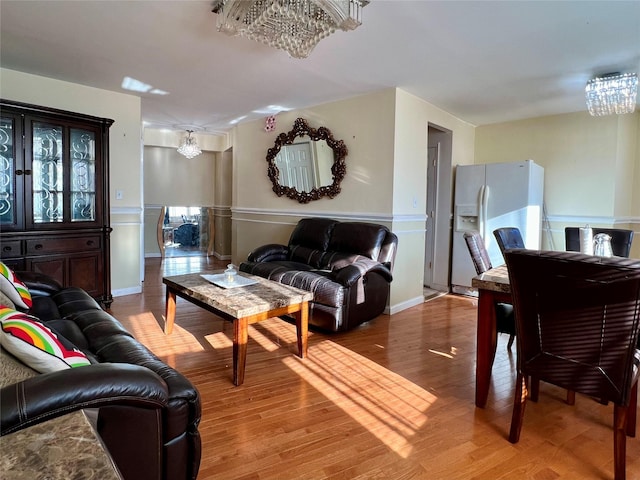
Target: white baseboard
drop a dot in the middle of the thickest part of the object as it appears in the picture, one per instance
(398, 307)
(126, 291)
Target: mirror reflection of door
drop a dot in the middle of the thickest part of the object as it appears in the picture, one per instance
(295, 164)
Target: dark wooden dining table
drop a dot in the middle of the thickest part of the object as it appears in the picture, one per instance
(493, 287)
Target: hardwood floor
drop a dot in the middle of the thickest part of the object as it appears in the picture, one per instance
(393, 399)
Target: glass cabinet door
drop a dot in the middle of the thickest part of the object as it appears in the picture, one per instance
(11, 173)
(47, 186)
(63, 184)
(83, 175)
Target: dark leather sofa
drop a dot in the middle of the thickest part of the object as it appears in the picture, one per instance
(148, 413)
(346, 265)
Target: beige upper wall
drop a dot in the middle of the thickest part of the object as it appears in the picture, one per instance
(592, 167)
(125, 152)
(627, 166)
(590, 163)
(412, 119)
(171, 179)
(365, 124)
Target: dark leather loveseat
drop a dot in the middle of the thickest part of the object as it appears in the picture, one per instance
(346, 265)
(148, 413)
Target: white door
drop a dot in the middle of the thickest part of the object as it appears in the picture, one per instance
(433, 154)
(295, 163)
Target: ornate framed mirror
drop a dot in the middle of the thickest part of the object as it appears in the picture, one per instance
(306, 163)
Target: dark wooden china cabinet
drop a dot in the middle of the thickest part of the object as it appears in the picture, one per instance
(54, 195)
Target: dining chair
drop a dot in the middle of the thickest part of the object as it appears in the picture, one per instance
(577, 322)
(508, 237)
(621, 239)
(504, 312)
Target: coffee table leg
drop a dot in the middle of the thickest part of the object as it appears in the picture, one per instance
(170, 313)
(240, 338)
(302, 328)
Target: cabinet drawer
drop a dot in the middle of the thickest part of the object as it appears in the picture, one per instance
(10, 249)
(48, 246)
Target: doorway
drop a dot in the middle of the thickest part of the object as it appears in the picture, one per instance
(438, 204)
(185, 231)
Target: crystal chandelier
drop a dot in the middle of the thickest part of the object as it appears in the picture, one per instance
(189, 147)
(613, 93)
(295, 26)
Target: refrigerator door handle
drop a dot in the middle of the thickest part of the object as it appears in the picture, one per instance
(480, 211)
(484, 209)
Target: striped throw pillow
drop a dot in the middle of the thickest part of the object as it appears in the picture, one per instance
(35, 344)
(13, 288)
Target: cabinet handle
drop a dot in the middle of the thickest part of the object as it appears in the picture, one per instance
(38, 246)
(19, 172)
(90, 243)
(6, 248)
(27, 172)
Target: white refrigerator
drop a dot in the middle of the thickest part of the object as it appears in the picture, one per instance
(492, 196)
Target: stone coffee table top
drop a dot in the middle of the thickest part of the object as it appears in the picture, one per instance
(240, 301)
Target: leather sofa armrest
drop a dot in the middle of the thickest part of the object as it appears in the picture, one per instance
(350, 274)
(271, 252)
(39, 283)
(51, 395)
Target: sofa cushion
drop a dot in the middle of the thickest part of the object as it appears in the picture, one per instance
(37, 345)
(69, 330)
(306, 256)
(359, 238)
(325, 291)
(313, 233)
(339, 260)
(272, 270)
(71, 300)
(99, 328)
(44, 307)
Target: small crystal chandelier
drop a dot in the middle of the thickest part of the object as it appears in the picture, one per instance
(295, 26)
(612, 94)
(189, 147)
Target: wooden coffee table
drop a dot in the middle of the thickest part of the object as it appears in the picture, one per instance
(243, 306)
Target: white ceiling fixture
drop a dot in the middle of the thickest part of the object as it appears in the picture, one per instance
(611, 94)
(295, 26)
(189, 147)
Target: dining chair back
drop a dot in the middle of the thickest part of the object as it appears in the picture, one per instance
(577, 322)
(621, 239)
(478, 252)
(480, 257)
(508, 237)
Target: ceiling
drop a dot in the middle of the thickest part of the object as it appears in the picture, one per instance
(482, 61)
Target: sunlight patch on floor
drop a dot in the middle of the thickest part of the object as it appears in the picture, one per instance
(219, 340)
(386, 404)
(144, 328)
(270, 334)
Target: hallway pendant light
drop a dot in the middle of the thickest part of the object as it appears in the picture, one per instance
(189, 147)
(610, 94)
